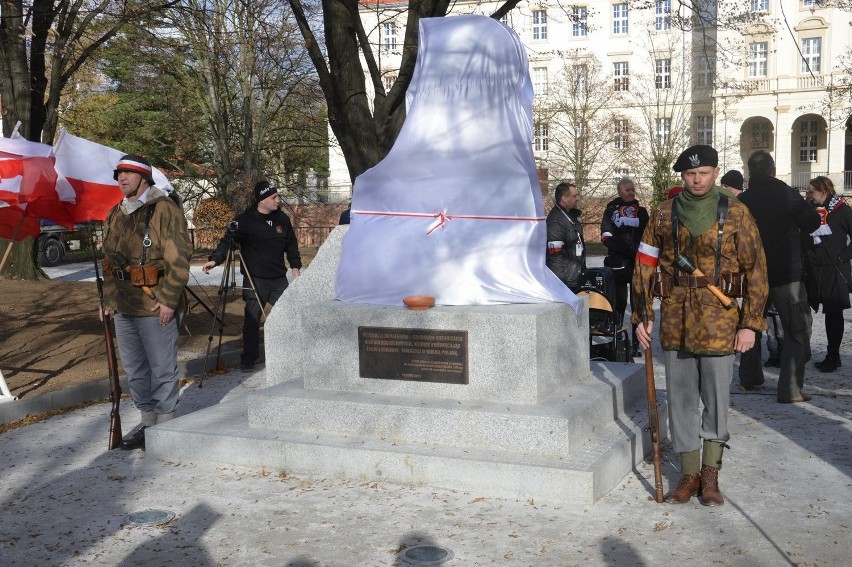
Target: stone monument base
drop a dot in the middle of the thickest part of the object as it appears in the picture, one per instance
(530, 419)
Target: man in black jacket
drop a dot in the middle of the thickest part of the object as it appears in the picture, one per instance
(781, 213)
(622, 226)
(566, 250)
(265, 236)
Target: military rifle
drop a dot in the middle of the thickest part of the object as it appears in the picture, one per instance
(112, 362)
(653, 412)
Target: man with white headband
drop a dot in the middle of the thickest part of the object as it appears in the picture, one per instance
(146, 268)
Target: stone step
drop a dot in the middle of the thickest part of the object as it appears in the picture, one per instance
(223, 434)
(557, 428)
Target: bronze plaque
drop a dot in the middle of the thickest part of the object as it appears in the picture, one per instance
(418, 355)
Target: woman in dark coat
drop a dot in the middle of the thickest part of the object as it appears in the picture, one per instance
(828, 267)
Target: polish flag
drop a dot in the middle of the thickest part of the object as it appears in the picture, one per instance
(88, 167)
(28, 186)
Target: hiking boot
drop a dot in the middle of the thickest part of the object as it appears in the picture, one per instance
(709, 494)
(686, 488)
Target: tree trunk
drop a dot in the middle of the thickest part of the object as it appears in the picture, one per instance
(21, 263)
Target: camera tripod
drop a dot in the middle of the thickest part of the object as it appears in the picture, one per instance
(228, 283)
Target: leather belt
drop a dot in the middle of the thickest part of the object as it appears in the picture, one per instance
(124, 275)
(693, 281)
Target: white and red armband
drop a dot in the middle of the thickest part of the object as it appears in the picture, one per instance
(648, 255)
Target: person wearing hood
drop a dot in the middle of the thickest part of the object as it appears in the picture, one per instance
(566, 249)
(265, 236)
(146, 234)
(622, 226)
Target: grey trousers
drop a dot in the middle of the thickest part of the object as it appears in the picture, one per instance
(690, 379)
(791, 302)
(149, 357)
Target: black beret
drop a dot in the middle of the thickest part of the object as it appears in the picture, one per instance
(696, 156)
(733, 179)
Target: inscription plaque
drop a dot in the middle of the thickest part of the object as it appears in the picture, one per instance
(417, 355)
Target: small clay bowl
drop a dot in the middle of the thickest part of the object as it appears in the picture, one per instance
(419, 302)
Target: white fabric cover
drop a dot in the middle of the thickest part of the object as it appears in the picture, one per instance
(465, 150)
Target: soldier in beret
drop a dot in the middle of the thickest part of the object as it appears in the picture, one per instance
(699, 335)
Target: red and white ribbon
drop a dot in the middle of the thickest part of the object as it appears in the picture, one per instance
(442, 217)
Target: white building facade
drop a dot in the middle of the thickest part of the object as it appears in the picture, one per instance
(661, 75)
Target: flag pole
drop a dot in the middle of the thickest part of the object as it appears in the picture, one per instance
(12, 241)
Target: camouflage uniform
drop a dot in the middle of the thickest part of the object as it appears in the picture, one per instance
(693, 319)
(698, 335)
(170, 250)
(148, 350)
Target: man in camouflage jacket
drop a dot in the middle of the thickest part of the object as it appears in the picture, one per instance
(699, 336)
(146, 324)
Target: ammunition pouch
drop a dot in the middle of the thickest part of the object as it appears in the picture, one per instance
(733, 284)
(661, 284)
(146, 275)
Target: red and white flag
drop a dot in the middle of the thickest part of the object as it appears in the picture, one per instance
(88, 167)
(28, 186)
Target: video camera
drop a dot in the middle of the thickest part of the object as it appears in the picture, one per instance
(233, 226)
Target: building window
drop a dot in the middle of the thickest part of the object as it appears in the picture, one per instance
(622, 134)
(389, 80)
(580, 24)
(663, 15)
(539, 27)
(540, 143)
(704, 125)
(619, 19)
(757, 54)
(760, 136)
(663, 73)
(621, 173)
(620, 72)
(812, 3)
(811, 48)
(759, 5)
(540, 81)
(389, 32)
(808, 141)
(705, 73)
(664, 127)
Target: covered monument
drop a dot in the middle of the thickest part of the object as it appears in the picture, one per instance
(455, 210)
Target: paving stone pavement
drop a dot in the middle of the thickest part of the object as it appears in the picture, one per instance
(787, 478)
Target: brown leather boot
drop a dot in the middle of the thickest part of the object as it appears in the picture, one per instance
(709, 495)
(686, 488)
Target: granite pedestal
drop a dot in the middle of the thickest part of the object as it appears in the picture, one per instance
(534, 420)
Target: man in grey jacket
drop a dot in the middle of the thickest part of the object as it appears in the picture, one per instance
(566, 249)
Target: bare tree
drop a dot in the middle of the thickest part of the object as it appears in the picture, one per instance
(587, 134)
(253, 83)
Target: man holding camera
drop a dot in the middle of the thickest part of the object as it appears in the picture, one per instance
(265, 236)
(146, 264)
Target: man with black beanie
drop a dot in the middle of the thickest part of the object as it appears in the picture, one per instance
(265, 236)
